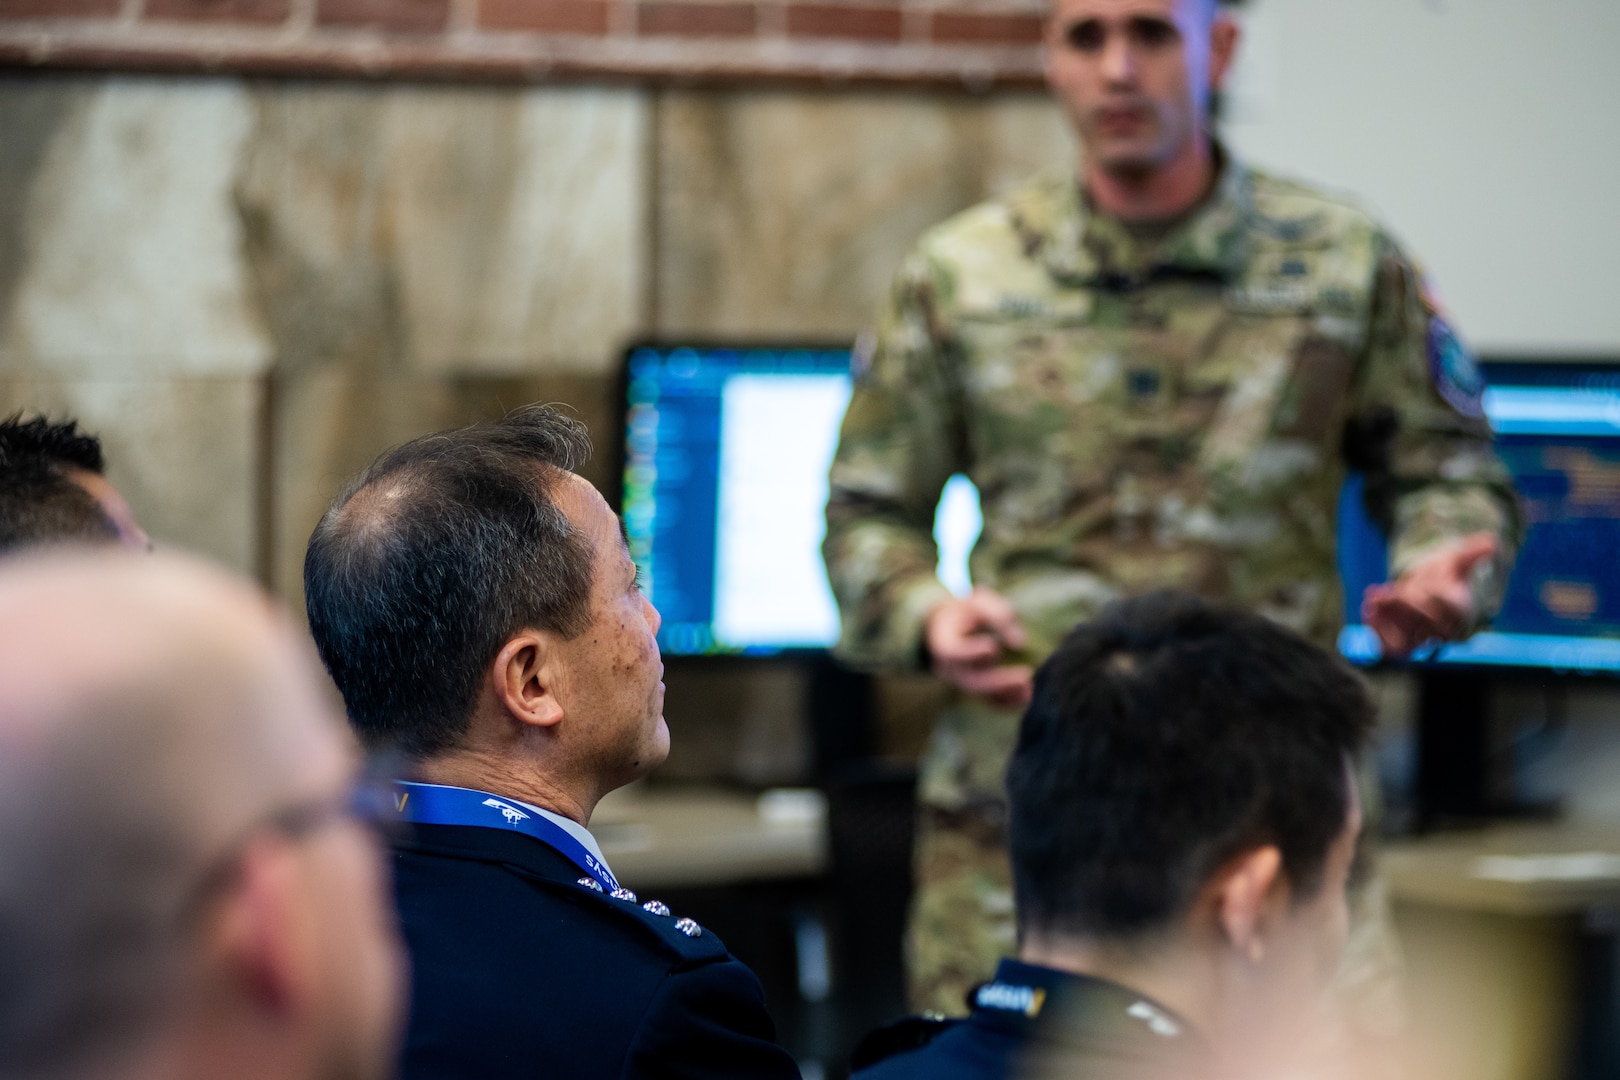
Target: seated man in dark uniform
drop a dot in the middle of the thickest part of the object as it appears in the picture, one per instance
(1183, 823)
(477, 606)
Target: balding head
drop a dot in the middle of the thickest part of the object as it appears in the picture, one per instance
(155, 715)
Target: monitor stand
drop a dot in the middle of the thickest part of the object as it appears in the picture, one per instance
(1463, 775)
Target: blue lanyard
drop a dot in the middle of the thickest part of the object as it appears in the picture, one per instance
(433, 804)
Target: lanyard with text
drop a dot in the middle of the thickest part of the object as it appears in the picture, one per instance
(432, 804)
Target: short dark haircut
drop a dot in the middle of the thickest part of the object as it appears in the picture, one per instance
(432, 558)
(40, 502)
(1163, 739)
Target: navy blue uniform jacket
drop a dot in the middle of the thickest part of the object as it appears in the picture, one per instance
(1035, 1019)
(517, 970)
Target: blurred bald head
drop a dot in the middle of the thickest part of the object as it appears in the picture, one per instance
(172, 862)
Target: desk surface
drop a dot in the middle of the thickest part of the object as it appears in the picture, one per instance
(662, 838)
(1545, 869)
(702, 836)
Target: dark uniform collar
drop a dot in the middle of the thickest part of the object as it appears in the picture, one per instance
(1082, 246)
(1041, 1004)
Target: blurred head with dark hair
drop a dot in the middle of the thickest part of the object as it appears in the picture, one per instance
(477, 606)
(1183, 812)
(52, 489)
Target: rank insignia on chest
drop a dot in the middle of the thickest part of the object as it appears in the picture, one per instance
(1142, 383)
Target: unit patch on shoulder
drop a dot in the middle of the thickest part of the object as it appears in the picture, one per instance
(1456, 376)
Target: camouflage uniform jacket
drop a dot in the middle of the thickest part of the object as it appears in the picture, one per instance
(1178, 414)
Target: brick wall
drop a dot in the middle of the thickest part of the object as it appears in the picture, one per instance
(971, 43)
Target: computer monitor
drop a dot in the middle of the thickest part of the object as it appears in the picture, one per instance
(725, 484)
(1558, 431)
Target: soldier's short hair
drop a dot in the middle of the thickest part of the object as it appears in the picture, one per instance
(1163, 739)
(40, 502)
(432, 558)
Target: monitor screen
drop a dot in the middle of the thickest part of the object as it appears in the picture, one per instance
(1558, 431)
(725, 482)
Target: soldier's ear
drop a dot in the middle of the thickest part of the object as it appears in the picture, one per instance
(1224, 35)
(523, 675)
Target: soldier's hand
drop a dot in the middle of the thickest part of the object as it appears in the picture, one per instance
(1432, 600)
(965, 638)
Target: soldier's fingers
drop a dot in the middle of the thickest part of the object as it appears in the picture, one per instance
(1402, 626)
(1474, 548)
(952, 629)
(967, 659)
(964, 637)
(1445, 607)
(1010, 683)
(998, 613)
(1014, 698)
(1371, 600)
(1390, 620)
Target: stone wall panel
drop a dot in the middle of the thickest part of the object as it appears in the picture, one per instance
(783, 215)
(1024, 134)
(129, 243)
(437, 229)
(519, 224)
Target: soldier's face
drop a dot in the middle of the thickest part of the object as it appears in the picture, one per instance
(1136, 75)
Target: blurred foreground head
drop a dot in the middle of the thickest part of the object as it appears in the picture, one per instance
(1184, 814)
(182, 893)
(52, 489)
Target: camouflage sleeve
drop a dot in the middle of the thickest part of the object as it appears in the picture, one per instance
(1418, 430)
(899, 443)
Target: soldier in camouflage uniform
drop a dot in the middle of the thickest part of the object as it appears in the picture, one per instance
(1157, 377)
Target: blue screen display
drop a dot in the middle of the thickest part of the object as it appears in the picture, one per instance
(726, 456)
(1558, 432)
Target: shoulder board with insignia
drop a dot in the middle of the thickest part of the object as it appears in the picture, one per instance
(685, 933)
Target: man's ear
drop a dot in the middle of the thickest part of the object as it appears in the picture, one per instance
(1246, 893)
(1223, 42)
(254, 938)
(524, 674)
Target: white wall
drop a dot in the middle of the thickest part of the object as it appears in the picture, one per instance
(1486, 133)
